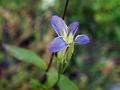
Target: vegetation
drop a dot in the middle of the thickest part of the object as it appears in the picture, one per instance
(25, 33)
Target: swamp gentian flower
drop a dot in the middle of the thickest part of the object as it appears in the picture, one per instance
(66, 35)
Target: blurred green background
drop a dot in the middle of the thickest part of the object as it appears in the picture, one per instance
(26, 24)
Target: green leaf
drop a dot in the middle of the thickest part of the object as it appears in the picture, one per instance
(61, 55)
(52, 78)
(26, 55)
(67, 84)
(35, 84)
(64, 83)
(64, 57)
(70, 52)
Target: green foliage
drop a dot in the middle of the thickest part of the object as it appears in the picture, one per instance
(25, 23)
(117, 33)
(35, 84)
(52, 78)
(26, 55)
(63, 58)
(30, 57)
(66, 84)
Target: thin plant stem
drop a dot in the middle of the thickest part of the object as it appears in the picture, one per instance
(63, 17)
(43, 80)
(51, 59)
(50, 63)
(65, 9)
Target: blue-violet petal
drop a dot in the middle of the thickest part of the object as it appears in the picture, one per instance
(82, 39)
(73, 27)
(57, 44)
(59, 25)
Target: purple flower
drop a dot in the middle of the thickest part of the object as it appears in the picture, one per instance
(66, 35)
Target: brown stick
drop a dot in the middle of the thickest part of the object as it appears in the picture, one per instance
(50, 63)
(65, 9)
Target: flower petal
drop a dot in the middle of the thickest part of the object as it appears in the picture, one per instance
(59, 25)
(73, 27)
(57, 44)
(82, 39)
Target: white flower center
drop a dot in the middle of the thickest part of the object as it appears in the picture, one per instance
(68, 37)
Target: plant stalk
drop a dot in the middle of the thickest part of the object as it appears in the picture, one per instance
(44, 79)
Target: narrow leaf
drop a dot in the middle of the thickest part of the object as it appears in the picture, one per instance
(26, 55)
(67, 84)
(52, 78)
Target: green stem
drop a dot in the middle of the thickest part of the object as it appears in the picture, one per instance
(44, 79)
(51, 59)
(63, 17)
